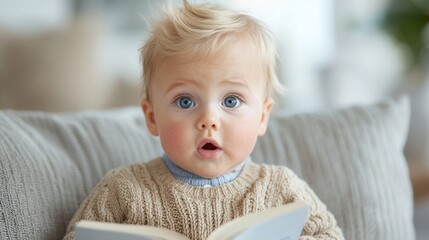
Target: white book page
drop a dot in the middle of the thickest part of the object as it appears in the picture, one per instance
(285, 220)
(86, 230)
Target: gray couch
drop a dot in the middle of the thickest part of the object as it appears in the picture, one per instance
(352, 158)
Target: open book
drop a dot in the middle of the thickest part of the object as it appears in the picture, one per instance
(280, 223)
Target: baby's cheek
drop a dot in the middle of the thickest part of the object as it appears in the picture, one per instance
(174, 138)
(243, 137)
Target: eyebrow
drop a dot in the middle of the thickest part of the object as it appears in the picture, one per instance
(183, 81)
(235, 81)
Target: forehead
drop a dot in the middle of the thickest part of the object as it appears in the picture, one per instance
(238, 60)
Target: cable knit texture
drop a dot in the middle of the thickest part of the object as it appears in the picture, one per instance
(147, 194)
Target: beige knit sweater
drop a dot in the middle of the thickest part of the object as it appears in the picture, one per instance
(147, 194)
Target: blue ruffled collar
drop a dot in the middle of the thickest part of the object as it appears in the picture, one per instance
(198, 181)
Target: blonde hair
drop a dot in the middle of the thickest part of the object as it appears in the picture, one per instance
(201, 30)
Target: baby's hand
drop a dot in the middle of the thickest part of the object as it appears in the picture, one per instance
(306, 238)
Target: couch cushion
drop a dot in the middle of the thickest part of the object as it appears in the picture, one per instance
(352, 158)
(49, 163)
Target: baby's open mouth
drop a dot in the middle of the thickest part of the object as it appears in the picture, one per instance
(209, 146)
(209, 149)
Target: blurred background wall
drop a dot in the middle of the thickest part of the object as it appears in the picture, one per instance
(332, 52)
(69, 55)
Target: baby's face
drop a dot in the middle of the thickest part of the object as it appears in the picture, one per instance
(208, 113)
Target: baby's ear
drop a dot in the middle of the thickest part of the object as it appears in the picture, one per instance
(150, 116)
(266, 111)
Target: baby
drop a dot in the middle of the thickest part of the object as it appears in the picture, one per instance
(209, 80)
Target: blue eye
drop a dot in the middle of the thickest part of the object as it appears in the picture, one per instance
(185, 102)
(231, 102)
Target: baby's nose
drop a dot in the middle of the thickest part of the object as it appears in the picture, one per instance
(209, 120)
